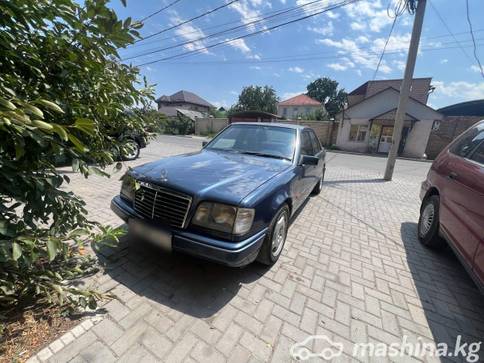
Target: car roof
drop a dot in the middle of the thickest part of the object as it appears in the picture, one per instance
(274, 124)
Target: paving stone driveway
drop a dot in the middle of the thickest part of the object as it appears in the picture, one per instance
(352, 269)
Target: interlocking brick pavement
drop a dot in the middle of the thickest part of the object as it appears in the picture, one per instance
(352, 269)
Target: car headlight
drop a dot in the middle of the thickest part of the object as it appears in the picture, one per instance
(224, 218)
(128, 187)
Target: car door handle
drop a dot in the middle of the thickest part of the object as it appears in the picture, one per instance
(453, 175)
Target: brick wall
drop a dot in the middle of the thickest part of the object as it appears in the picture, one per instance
(450, 127)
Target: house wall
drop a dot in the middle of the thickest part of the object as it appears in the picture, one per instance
(385, 101)
(295, 111)
(449, 128)
(169, 109)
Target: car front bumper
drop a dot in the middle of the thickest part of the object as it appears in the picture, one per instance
(234, 254)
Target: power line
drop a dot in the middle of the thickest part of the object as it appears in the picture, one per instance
(223, 32)
(187, 21)
(329, 8)
(473, 39)
(159, 11)
(448, 29)
(385, 46)
(304, 57)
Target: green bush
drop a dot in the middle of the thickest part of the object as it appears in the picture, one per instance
(63, 94)
(179, 125)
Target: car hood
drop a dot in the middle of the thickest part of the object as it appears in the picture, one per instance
(208, 174)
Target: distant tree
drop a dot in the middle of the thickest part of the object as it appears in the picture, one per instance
(217, 113)
(257, 98)
(326, 91)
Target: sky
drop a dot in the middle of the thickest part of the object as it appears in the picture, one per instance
(343, 44)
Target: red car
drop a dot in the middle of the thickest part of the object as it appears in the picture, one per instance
(453, 201)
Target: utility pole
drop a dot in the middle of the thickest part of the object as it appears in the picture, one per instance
(405, 88)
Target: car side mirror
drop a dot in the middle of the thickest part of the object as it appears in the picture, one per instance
(204, 143)
(309, 160)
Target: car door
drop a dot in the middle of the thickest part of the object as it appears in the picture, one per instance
(462, 198)
(319, 152)
(477, 157)
(305, 173)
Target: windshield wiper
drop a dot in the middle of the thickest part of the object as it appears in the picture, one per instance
(264, 155)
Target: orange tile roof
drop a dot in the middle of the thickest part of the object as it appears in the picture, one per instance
(301, 100)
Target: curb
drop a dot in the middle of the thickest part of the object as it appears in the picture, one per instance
(377, 156)
(55, 346)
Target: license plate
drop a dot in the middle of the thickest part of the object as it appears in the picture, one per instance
(153, 235)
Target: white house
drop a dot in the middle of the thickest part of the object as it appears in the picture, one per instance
(298, 106)
(366, 125)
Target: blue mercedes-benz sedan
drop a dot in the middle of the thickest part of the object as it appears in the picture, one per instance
(230, 202)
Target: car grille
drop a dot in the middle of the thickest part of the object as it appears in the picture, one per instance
(163, 205)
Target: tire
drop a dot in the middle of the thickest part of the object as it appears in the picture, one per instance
(428, 223)
(317, 188)
(135, 149)
(269, 252)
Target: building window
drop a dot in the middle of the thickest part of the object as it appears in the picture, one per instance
(308, 110)
(294, 111)
(284, 111)
(358, 133)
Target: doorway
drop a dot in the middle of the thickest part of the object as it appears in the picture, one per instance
(386, 138)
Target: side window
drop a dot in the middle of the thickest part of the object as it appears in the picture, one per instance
(315, 142)
(469, 142)
(306, 145)
(478, 154)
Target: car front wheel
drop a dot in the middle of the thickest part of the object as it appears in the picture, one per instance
(274, 242)
(428, 223)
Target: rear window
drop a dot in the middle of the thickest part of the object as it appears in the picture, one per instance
(469, 141)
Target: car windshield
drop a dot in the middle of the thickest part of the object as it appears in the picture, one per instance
(261, 140)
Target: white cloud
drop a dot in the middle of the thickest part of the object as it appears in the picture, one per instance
(365, 52)
(257, 68)
(343, 65)
(374, 11)
(443, 61)
(241, 45)
(399, 64)
(247, 11)
(296, 69)
(275, 74)
(332, 15)
(189, 32)
(351, 49)
(328, 29)
(357, 26)
(397, 43)
(459, 90)
(235, 93)
(475, 68)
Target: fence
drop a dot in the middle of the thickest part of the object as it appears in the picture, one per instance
(326, 131)
(449, 128)
(206, 126)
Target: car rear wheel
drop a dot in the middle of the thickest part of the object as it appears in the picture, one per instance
(274, 242)
(132, 149)
(428, 223)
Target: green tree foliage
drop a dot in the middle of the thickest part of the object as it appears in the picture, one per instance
(63, 92)
(326, 91)
(257, 98)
